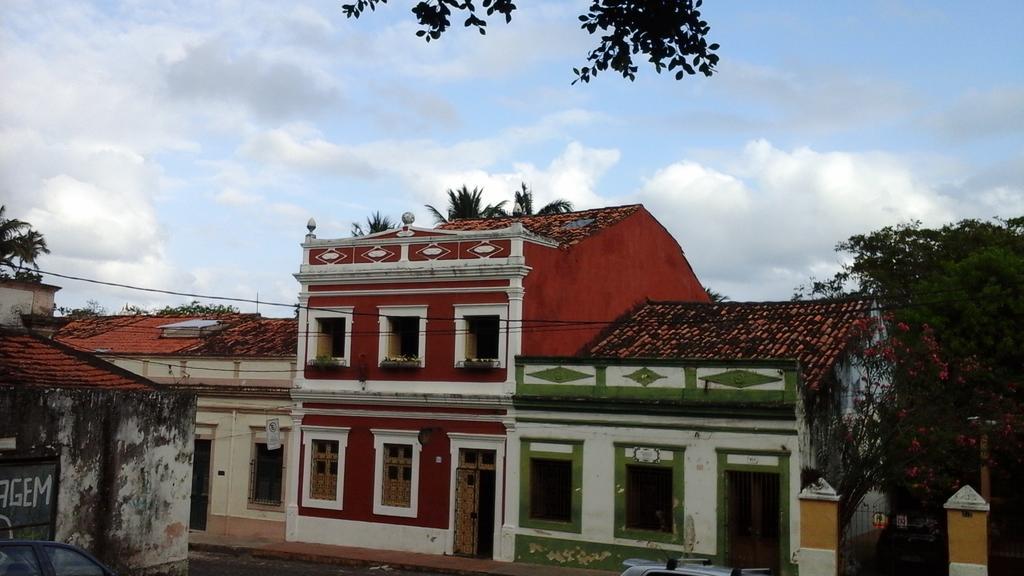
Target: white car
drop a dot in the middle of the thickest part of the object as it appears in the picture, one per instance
(686, 567)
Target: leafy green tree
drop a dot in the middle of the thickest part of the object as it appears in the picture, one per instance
(374, 223)
(943, 369)
(196, 308)
(466, 204)
(20, 247)
(671, 34)
(91, 309)
(522, 204)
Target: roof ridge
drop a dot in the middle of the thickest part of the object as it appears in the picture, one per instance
(555, 215)
(87, 358)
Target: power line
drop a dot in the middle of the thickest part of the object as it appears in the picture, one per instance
(558, 324)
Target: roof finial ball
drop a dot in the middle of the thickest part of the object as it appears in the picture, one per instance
(311, 225)
(408, 218)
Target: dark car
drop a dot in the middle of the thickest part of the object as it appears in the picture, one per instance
(913, 544)
(685, 567)
(39, 558)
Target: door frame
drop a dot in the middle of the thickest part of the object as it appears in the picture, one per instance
(493, 442)
(772, 462)
(209, 482)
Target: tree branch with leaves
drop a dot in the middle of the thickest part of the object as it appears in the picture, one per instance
(671, 34)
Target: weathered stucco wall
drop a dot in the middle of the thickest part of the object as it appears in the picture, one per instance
(125, 468)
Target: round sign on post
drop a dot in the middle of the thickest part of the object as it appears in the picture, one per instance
(879, 520)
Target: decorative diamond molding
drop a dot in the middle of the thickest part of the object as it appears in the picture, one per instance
(644, 376)
(331, 256)
(377, 254)
(560, 375)
(485, 249)
(433, 252)
(741, 379)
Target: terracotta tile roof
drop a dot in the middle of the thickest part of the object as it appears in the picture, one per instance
(814, 333)
(568, 228)
(30, 360)
(245, 335)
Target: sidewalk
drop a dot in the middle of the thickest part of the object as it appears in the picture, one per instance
(347, 556)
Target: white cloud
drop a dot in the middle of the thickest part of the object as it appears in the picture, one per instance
(235, 197)
(770, 99)
(767, 221)
(980, 114)
(274, 89)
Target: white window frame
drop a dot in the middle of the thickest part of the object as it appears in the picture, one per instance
(309, 434)
(462, 329)
(314, 331)
(384, 323)
(408, 437)
(259, 436)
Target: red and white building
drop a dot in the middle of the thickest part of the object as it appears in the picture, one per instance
(409, 339)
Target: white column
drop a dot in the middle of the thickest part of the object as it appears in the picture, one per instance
(515, 331)
(292, 480)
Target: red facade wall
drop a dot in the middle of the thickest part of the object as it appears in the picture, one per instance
(440, 341)
(434, 468)
(600, 278)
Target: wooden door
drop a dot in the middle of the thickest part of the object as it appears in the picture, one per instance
(474, 503)
(200, 485)
(467, 503)
(754, 520)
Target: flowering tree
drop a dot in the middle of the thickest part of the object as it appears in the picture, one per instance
(937, 373)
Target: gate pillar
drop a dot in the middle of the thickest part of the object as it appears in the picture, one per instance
(967, 523)
(819, 530)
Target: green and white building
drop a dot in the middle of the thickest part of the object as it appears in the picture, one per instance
(679, 431)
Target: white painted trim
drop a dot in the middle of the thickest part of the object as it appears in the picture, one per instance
(551, 447)
(384, 329)
(339, 435)
(374, 535)
(480, 442)
(449, 400)
(409, 272)
(462, 329)
(313, 329)
(292, 478)
(962, 569)
(559, 419)
(403, 291)
(752, 460)
(410, 438)
(410, 415)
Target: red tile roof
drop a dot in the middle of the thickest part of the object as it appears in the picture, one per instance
(568, 228)
(30, 360)
(814, 333)
(245, 335)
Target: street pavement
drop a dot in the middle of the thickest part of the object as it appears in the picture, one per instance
(217, 564)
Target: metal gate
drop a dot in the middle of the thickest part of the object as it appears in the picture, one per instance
(754, 515)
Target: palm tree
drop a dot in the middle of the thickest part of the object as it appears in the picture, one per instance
(374, 223)
(716, 297)
(464, 203)
(523, 204)
(20, 246)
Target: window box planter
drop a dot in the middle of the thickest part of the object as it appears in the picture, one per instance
(480, 364)
(325, 363)
(401, 363)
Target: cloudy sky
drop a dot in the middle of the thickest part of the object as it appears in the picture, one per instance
(183, 145)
